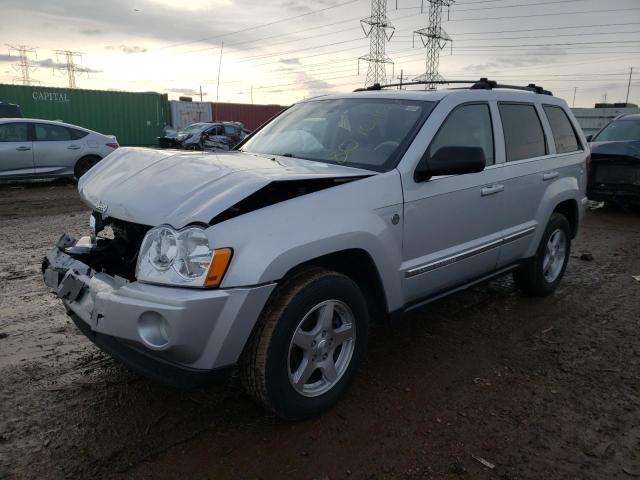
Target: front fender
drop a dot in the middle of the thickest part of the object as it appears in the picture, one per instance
(271, 241)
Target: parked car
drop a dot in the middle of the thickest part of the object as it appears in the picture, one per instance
(275, 257)
(615, 163)
(32, 148)
(204, 136)
(9, 110)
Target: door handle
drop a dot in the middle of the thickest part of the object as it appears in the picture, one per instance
(492, 190)
(73, 147)
(549, 176)
(23, 148)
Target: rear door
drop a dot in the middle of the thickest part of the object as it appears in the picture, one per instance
(16, 150)
(55, 149)
(452, 223)
(534, 161)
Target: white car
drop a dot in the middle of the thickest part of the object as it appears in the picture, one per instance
(31, 148)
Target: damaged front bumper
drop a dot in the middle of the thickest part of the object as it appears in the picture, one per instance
(174, 335)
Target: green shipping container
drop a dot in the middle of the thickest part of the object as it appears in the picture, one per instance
(135, 118)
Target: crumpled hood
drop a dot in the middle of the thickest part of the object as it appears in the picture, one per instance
(629, 149)
(155, 187)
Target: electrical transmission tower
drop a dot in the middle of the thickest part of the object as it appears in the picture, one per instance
(379, 29)
(68, 64)
(434, 39)
(23, 65)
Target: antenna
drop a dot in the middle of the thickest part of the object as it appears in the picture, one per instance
(23, 65)
(379, 29)
(434, 39)
(68, 64)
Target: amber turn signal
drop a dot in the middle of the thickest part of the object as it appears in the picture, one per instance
(219, 265)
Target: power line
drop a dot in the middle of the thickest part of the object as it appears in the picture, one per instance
(254, 27)
(608, 10)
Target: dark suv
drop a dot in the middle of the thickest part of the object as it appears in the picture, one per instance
(9, 110)
(615, 163)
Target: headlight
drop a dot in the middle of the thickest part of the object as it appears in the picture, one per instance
(181, 258)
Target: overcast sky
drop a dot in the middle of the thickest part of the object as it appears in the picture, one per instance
(174, 46)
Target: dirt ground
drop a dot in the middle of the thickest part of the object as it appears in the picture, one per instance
(540, 388)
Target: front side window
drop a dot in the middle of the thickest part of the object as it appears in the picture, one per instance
(369, 133)
(14, 132)
(467, 126)
(523, 133)
(52, 133)
(620, 131)
(564, 136)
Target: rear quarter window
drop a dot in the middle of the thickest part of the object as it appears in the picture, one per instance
(77, 134)
(523, 133)
(564, 135)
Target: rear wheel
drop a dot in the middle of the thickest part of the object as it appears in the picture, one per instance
(307, 345)
(541, 275)
(84, 165)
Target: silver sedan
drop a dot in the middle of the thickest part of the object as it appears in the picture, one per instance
(32, 148)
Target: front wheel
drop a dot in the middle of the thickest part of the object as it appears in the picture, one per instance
(307, 345)
(541, 275)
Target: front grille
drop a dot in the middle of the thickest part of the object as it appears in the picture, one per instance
(617, 174)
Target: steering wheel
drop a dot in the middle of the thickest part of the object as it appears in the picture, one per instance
(388, 143)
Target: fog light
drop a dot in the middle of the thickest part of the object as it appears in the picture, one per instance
(153, 329)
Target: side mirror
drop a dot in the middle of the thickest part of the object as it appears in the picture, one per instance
(450, 161)
(589, 138)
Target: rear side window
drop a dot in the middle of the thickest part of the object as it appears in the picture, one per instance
(523, 134)
(14, 132)
(564, 135)
(52, 133)
(467, 126)
(230, 130)
(77, 134)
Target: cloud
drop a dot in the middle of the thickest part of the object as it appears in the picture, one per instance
(91, 31)
(163, 22)
(304, 6)
(51, 63)
(185, 91)
(126, 48)
(514, 61)
(290, 61)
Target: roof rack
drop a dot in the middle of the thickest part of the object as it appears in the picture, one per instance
(482, 84)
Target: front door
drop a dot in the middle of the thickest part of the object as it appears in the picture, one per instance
(16, 150)
(452, 223)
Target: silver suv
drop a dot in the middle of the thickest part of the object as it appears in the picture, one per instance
(345, 208)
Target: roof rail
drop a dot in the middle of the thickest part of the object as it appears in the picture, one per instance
(482, 84)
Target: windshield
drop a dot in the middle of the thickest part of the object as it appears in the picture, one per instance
(620, 131)
(365, 133)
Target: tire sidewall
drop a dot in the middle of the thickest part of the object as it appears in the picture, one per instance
(287, 402)
(79, 169)
(556, 222)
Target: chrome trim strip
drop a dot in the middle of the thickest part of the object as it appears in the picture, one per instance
(467, 254)
(518, 235)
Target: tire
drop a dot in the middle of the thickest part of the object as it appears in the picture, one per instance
(272, 360)
(537, 277)
(84, 165)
